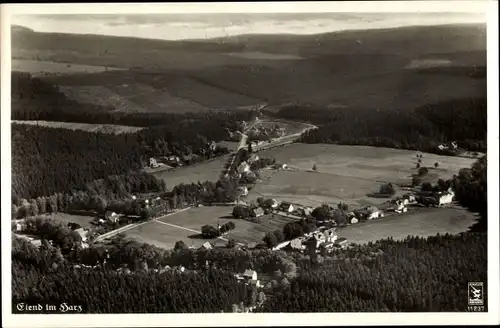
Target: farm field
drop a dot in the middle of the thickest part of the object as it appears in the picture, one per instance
(186, 226)
(425, 222)
(345, 173)
(98, 128)
(47, 67)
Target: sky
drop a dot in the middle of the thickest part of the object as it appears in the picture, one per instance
(175, 24)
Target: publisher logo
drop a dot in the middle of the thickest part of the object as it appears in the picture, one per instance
(476, 293)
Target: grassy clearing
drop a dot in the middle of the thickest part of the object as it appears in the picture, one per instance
(425, 222)
(47, 67)
(98, 128)
(135, 97)
(83, 220)
(206, 171)
(345, 173)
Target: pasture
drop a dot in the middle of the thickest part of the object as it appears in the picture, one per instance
(131, 98)
(47, 67)
(97, 128)
(424, 222)
(205, 171)
(345, 173)
(186, 225)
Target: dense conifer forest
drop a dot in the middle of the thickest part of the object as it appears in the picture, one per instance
(415, 275)
(462, 120)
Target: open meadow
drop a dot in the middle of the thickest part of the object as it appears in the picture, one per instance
(345, 173)
(186, 225)
(98, 128)
(82, 220)
(210, 170)
(47, 67)
(424, 222)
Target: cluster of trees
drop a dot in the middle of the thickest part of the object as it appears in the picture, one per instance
(327, 213)
(414, 275)
(387, 189)
(470, 186)
(209, 231)
(98, 195)
(462, 120)
(273, 238)
(48, 229)
(262, 163)
(296, 229)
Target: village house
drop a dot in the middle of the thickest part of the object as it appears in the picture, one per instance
(243, 190)
(111, 217)
(286, 207)
(250, 274)
(257, 212)
(206, 246)
(253, 158)
(243, 167)
(445, 197)
(330, 235)
(297, 243)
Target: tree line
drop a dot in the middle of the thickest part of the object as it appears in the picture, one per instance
(38, 99)
(95, 196)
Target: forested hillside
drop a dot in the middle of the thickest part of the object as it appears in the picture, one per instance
(47, 160)
(462, 120)
(415, 275)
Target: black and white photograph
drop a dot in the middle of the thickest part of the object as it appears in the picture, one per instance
(272, 160)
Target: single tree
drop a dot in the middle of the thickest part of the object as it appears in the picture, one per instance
(436, 165)
(180, 245)
(315, 168)
(426, 186)
(423, 171)
(270, 240)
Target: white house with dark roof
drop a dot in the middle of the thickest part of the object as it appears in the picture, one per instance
(250, 274)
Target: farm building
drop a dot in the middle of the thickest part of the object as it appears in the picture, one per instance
(330, 235)
(253, 158)
(297, 243)
(206, 246)
(286, 207)
(446, 197)
(243, 167)
(257, 212)
(250, 274)
(111, 217)
(243, 190)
